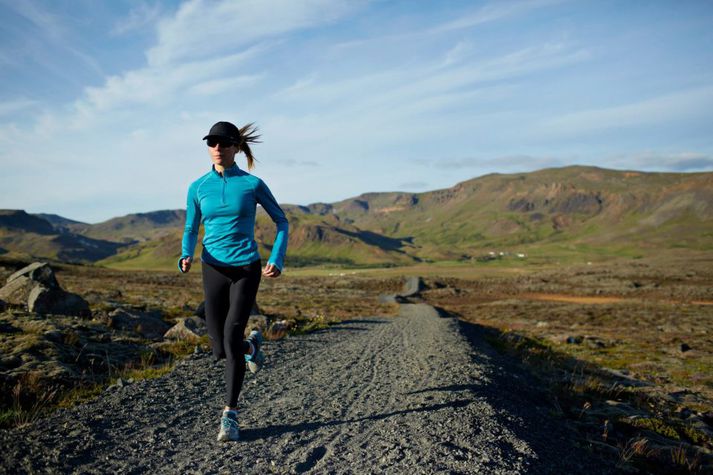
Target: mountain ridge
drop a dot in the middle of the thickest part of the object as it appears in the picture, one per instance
(570, 208)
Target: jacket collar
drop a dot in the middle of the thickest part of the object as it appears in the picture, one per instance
(230, 171)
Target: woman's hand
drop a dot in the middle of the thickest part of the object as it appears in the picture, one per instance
(186, 264)
(271, 270)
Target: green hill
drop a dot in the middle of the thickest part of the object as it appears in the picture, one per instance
(32, 236)
(561, 211)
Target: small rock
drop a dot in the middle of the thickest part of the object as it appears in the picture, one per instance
(387, 299)
(53, 335)
(685, 347)
(147, 324)
(574, 340)
(187, 329)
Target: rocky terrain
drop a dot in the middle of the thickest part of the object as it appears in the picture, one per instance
(615, 356)
(416, 393)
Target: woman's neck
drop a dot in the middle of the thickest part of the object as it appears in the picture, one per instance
(220, 168)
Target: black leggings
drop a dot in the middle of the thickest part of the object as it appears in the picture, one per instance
(229, 296)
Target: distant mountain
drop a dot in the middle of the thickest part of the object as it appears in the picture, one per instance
(137, 227)
(34, 236)
(57, 220)
(313, 239)
(562, 210)
(20, 221)
(585, 207)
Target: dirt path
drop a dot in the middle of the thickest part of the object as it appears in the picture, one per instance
(413, 394)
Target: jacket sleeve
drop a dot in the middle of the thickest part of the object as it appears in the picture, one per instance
(193, 222)
(268, 202)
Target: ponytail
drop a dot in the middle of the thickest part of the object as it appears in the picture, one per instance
(248, 134)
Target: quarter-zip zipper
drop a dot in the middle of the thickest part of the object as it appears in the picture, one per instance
(225, 182)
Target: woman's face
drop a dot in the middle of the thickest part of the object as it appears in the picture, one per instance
(222, 154)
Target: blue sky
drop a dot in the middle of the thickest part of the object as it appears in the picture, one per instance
(103, 104)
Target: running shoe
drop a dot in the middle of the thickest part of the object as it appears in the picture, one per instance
(258, 358)
(229, 430)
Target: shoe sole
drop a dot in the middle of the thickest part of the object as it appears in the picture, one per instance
(226, 438)
(255, 364)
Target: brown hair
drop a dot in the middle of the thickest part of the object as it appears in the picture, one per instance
(248, 135)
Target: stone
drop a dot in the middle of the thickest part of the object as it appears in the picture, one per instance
(44, 300)
(280, 328)
(16, 291)
(595, 342)
(387, 299)
(147, 324)
(187, 329)
(37, 271)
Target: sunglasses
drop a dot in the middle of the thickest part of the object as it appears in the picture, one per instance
(224, 143)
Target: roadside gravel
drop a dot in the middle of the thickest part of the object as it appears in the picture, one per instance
(418, 393)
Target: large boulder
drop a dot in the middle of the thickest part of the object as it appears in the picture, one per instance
(56, 301)
(18, 286)
(188, 329)
(147, 324)
(36, 287)
(39, 272)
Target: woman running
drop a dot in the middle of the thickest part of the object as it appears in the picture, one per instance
(225, 200)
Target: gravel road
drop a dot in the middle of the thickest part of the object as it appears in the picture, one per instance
(419, 393)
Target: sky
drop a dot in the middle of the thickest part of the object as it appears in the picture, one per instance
(103, 104)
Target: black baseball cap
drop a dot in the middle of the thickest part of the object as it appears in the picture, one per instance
(224, 130)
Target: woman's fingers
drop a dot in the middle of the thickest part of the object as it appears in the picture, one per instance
(186, 264)
(271, 270)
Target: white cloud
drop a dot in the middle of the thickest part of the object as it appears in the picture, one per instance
(666, 108)
(199, 51)
(41, 18)
(15, 106)
(510, 163)
(457, 53)
(218, 86)
(684, 161)
(157, 85)
(493, 12)
(203, 29)
(139, 17)
(52, 31)
(426, 86)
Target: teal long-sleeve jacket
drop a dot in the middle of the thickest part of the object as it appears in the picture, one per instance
(226, 206)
